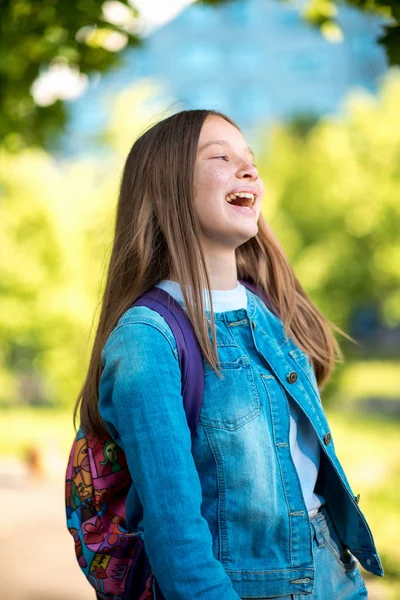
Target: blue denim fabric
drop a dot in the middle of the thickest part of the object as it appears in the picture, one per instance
(337, 575)
(223, 515)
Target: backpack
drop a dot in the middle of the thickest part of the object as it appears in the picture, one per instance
(113, 559)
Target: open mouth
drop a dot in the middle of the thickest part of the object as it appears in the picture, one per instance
(243, 199)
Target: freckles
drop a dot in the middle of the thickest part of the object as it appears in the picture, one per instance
(218, 173)
(210, 178)
(214, 177)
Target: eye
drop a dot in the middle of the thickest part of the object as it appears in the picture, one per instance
(222, 156)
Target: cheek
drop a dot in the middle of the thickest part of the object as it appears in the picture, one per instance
(211, 179)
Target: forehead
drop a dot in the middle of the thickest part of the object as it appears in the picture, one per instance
(217, 128)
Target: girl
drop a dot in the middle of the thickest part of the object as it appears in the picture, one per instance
(256, 504)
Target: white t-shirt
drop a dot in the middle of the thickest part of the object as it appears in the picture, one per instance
(304, 445)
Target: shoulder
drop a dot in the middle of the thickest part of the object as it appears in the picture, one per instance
(142, 327)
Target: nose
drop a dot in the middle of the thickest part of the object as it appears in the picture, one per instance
(248, 171)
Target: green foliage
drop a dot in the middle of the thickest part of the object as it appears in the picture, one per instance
(332, 196)
(364, 379)
(56, 226)
(35, 35)
(322, 13)
(48, 217)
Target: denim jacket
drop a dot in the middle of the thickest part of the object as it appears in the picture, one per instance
(222, 514)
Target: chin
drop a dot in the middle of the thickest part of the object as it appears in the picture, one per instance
(249, 233)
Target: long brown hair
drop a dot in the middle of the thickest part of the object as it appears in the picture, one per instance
(157, 232)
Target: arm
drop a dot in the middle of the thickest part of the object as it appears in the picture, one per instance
(140, 395)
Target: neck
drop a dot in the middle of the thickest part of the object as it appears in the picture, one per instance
(221, 269)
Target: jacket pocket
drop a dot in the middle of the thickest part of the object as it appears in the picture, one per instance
(230, 400)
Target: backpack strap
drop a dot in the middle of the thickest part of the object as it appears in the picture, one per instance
(189, 351)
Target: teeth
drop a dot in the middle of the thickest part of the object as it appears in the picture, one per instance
(231, 197)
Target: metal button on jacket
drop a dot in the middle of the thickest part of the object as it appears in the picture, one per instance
(253, 325)
(292, 377)
(327, 439)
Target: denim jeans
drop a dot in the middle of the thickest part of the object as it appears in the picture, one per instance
(337, 576)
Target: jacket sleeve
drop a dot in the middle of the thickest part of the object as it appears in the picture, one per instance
(140, 395)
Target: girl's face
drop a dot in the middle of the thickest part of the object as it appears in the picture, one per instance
(224, 166)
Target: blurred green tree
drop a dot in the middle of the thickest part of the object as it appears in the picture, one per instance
(332, 194)
(56, 226)
(78, 39)
(53, 38)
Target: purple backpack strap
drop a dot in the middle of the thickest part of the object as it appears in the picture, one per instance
(189, 351)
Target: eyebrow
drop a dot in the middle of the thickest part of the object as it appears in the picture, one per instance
(222, 143)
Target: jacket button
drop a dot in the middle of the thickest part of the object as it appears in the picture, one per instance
(357, 499)
(327, 439)
(253, 325)
(292, 377)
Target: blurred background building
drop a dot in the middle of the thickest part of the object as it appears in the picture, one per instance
(256, 60)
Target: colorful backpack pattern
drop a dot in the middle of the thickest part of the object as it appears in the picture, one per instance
(113, 559)
(97, 483)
